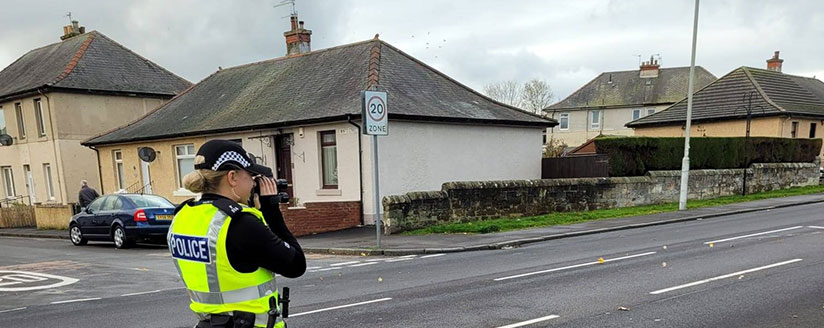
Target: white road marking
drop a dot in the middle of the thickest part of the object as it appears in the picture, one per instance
(12, 310)
(572, 266)
(77, 300)
(11, 278)
(529, 322)
(142, 293)
(433, 255)
(661, 291)
(344, 263)
(815, 227)
(327, 269)
(312, 267)
(362, 264)
(398, 260)
(339, 307)
(752, 235)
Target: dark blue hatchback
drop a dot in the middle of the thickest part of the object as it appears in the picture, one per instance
(124, 219)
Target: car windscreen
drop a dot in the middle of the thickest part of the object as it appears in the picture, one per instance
(149, 201)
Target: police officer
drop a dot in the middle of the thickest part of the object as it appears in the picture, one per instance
(227, 253)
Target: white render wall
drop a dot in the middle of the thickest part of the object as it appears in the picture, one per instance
(422, 156)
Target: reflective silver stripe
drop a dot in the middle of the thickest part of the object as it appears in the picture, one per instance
(211, 268)
(234, 296)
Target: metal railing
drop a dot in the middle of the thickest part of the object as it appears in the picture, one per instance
(136, 188)
(23, 200)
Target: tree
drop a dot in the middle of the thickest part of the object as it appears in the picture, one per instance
(507, 92)
(554, 147)
(536, 96)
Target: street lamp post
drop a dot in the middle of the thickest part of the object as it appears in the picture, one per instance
(685, 163)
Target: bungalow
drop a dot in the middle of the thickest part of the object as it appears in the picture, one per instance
(300, 114)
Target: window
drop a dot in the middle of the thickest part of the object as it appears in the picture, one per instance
(2, 121)
(794, 130)
(119, 172)
(636, 114)
(564, 124)
(21, 127)
(329, 159)
(595, 119)
(48, 175)
(38, 114)
(97, 203)
(650, 111)
(185, 158)
(8, 181)
(812, 130)
(149, 201)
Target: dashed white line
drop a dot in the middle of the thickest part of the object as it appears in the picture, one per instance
(339, 307)
(362, 264)
(433, 255)
(142, 293)
(398, 260)
(529, 322)
(572, 266)
(344, 263)
(312, 267)
(327, 269)
(752, 235)
(815, 227)
(12, 310)
(661, 291)
(77, 300)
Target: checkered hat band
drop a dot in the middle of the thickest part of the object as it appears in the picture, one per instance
(230, 156)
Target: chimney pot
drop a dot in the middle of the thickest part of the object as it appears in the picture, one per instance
(297, 39)
(300, 23)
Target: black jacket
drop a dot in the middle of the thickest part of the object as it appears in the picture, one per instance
(86, 196)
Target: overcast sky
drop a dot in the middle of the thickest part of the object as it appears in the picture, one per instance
(566, 43)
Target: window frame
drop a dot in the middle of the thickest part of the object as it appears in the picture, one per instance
(650, 111)
(21, 122)
(636, 114)
(119, 169)
(592, 118)
(323, 167)
(813, 129)
(3, 128)
(8, 186)
(39, 118)
(561, 118)
(178, 158)
(794, 130)
(47, 174)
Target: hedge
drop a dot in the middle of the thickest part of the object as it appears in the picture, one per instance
(633, 156)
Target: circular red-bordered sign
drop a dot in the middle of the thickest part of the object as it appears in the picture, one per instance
(377, 113)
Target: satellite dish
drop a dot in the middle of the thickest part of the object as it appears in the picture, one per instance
(147, 154)
(6, 140)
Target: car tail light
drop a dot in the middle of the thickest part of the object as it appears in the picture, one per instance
(140, 216)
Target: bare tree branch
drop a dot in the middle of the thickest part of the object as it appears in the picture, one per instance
(536, 96)
(507, 92)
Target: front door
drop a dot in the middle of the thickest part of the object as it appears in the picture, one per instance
(283, 151)
(147, 178)
(29, 183)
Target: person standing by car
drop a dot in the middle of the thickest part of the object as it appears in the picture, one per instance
(227, 253)
(86, 195)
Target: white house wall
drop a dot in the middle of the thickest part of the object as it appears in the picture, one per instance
(423, 156)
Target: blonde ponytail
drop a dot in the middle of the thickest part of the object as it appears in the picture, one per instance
(203, 180)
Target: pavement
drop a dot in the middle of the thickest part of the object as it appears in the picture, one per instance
(362, 240)
(754, 269)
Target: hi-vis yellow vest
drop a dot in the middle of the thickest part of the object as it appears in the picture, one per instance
(197, 240)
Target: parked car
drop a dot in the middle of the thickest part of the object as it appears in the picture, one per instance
(124, 219)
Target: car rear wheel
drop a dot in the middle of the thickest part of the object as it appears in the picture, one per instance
(77, 236)
(119, 237)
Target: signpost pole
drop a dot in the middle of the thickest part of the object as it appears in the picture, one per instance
(375, 123)
(376, 189)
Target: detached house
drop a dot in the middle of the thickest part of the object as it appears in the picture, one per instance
(301, 115)
(56, 96)
(613, 99)
(781, 105)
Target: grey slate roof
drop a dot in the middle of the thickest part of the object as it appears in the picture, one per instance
(319, 86)
(774, 94)
(89, 61)
(627, 88)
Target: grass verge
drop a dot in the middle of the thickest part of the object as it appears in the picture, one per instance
(507, 224)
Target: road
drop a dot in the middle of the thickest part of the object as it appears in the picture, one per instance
(761, 269)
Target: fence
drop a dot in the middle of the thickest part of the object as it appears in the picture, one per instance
(584, 166)
(17, 216)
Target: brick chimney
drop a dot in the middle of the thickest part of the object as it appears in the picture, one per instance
(72, 30)
(298, 39)
(649, 69)
(774, 63)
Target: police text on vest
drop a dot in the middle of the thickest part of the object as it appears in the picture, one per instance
(190, 248)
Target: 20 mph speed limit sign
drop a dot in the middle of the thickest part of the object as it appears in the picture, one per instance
(375, 116)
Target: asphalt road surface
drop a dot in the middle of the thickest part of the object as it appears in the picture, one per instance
(761, 269)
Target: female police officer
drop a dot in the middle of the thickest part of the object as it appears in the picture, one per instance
(227, 253)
